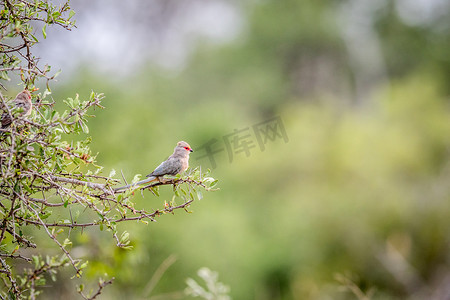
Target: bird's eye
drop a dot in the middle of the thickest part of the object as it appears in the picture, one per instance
(186, 148)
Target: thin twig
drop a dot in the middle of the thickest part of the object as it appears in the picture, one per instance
(101, 285)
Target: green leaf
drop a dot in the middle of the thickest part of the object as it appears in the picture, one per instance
(44, 33)
(136, 178)
(84, 127)
(125, 236)
(52, 276)
(34, 38)
(84, 265)
(35, 261)
(15, 249)
(29, 190)
(45, 216)
(57, 73)
(67, 242)
(155, 190)
(40, 281)
(76, 101)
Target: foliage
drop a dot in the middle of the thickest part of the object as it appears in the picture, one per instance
(215, 290)
(17, 34)
(51, 183)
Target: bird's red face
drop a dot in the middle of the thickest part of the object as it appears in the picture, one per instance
(185, 146)
(188, 149)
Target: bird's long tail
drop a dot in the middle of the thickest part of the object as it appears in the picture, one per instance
(146, 180)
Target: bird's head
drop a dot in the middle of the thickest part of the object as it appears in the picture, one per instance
(24, 95)
(184, 147)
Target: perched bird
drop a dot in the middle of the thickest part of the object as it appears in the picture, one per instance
(23, 102)
(176, 163)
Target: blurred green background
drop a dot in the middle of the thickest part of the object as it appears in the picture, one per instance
(360, 191)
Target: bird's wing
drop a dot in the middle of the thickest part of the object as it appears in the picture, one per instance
(21, 105)
(6, 117)
(5, 120)
(172, 166)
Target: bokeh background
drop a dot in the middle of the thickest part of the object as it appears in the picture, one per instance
(357, 200)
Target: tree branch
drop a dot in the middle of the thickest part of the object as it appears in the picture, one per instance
(101, 285)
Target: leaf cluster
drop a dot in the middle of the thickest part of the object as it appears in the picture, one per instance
(18, 20)
(49, 178)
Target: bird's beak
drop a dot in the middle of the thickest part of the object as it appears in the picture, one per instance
(190, 149)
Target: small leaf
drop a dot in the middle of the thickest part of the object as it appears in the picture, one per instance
(44, 33)
(28, 188)
(57, 73)
(213, 184)
(84, 265)
(136, 178)
(67, 242)
(35, 261)
(34, 38)
(112, 173)
(84, 127)
(46, 93)
(155, 190)
(15, 249)
(53, 276)
(125, 236)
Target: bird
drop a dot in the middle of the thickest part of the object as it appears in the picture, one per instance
(177, 163)
(23, 102)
